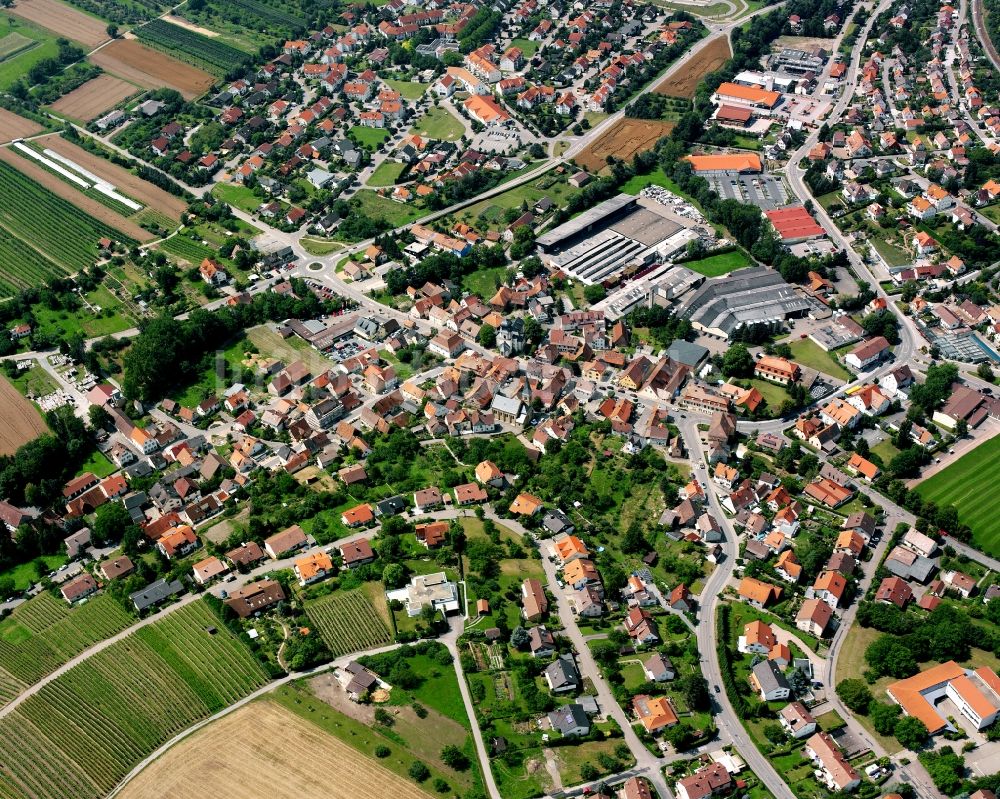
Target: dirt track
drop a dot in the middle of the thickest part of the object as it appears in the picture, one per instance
(63, 20)
(263, 751)
(623, 141)
(135, 62)
(14, 127)
(132, 185)
(683, 83)
(94, 97)
(21, 420)
(67, 192)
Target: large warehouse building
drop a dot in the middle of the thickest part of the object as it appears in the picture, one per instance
(620, 237)
(735, 94)
(756, 295)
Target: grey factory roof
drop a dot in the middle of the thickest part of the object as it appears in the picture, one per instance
(586, 219)
(646, 227)
(743, 297)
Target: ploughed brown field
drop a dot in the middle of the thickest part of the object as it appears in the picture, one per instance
(623, 140)
(21, 420)
(263, 751)
(63, 20)
(14, 127)
(684, 82)
(135, 62)
(132, 185)
(94, 97)
(73, 195)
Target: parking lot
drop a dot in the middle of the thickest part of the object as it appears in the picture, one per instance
(348, 348)
(765, 191)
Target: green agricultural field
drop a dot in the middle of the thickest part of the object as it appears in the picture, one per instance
(188, 45)
(49, 224)
(44, 632)
(185, 247)
(439, 123)
(17, 56)
(721, 264)
(14, 43)
(809, 353)
(249, 24)
(21, 266)
(82, 732)
(961, 485)
(347, 622)
(368, 137)
(386, 174)
(409, 89)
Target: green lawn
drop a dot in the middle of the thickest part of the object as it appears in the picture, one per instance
(99, 465)
(484, 282)
(386, 174)
(961, 484)
(377, 207)
(809, 353)
(528, 47)
(655, 178)
(885, 450)
(572, 758)
(237, 196)
(991, 212)
(892, 255)
(18, 64)
(439, 123)
(319, 246)
(24, 576)
(721, 264)
(407, 88)
(368, 137)
(772, 392)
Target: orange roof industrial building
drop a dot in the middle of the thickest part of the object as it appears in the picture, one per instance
(794, 223)
(728, 162)
(734, 93)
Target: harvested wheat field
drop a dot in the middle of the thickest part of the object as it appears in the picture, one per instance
(623, 140)
(684, 82)
(60, 187)
(21, 420)
(94, 97)
(63, 20)
(132, 61)
(14, 127)
(263, 751)
(135, 187)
